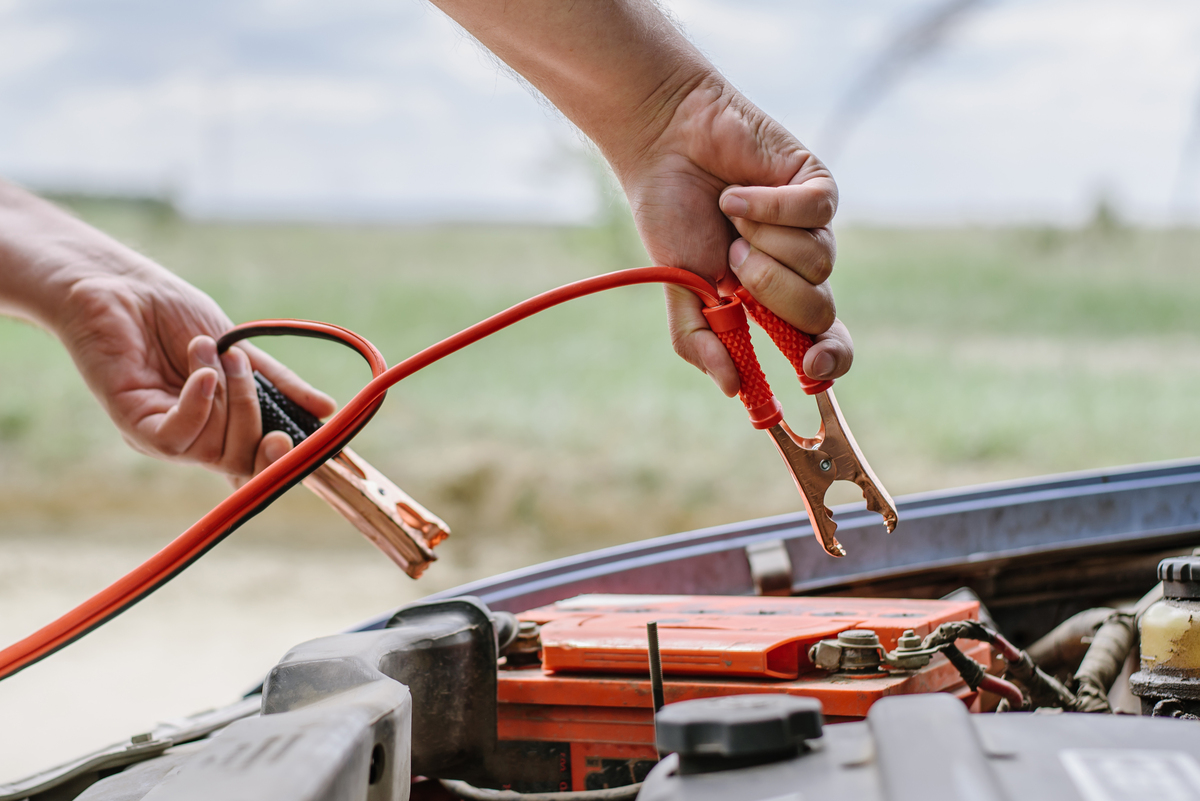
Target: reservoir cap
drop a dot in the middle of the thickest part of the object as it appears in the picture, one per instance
(1180, 576)
(737, 730)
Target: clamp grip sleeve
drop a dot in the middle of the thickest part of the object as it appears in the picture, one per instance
(281, 413)
(791, 341)
(728, 322)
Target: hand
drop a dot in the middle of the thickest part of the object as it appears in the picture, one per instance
(144, 340)
(719, 160)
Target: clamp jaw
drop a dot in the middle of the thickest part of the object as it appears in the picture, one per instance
(814, 462)
(832, 455)
(394, 523)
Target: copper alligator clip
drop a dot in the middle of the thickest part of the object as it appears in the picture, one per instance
(394, 523)
(832, 455)
(814, 462)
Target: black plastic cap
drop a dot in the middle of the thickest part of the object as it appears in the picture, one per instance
(1180, 576)
(738, 726)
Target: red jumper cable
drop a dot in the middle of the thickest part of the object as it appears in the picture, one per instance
(814, 463)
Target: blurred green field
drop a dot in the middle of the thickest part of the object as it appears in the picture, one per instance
(981, 355)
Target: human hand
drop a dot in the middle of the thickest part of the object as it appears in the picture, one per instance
(721, 160)
(144, 340)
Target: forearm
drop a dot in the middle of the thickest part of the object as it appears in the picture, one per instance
(45, 252)
(616, 68)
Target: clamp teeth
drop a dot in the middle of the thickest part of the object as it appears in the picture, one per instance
(833, 455)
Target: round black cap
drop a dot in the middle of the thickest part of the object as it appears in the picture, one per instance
(1180, 576)
(738, 725)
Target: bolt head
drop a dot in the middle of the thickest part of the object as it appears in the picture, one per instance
(859, 638)
(826, 465)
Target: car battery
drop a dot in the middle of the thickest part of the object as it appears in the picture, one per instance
(582, 718)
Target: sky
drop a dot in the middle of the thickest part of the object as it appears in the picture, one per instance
(1025, 111)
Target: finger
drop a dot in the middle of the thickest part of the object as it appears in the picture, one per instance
(810, 308)
(173, 432)
(290, 384)
(831, 355)
(244, 427)
(809, 253)
(207, 446)
(695, 342)
(805, 205)
(271, 449)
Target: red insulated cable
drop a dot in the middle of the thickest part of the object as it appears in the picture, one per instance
(330, 438)
(1010, 652)
(1004, 689)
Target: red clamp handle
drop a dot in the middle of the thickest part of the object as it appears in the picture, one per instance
(791, 341)
(728, 322)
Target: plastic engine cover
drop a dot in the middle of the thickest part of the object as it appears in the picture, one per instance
(929, 748)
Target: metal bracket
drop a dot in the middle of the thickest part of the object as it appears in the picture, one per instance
(770, 567)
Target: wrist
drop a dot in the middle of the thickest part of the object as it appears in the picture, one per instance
(47, 257)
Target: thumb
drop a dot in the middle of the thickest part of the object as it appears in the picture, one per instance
(271, 448)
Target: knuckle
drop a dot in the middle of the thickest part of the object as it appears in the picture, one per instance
(821, 267)
(826, 207)
(825, 313)
(773, 208)
(758, 277)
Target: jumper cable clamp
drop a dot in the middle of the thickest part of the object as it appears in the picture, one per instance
(814, 462)
(396, 524)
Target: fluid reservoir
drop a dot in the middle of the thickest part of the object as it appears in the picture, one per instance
(1169, 680)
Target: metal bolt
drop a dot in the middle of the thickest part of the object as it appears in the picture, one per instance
(137, 739)
(825, 465)
(908, 641)
(859, 638)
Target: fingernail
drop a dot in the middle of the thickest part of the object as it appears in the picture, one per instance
(208, 385)
(234, 362)
(735, 206)
(738, 252)
(823, 365)
(206, 352)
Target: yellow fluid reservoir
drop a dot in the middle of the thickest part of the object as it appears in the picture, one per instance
(1169, 681)
(1170, 635)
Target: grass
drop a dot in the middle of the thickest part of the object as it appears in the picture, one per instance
(981, 355)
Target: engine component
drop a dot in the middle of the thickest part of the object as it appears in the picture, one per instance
(338, 721)
(1103, 662)
(859, 651)
(1168, 683)
(737, 731)
(584, 720)
(1063, 648)
(928, 748)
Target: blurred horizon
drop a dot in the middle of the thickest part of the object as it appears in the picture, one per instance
(929, 112)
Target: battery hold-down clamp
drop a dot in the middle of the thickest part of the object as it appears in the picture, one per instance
(814, 462)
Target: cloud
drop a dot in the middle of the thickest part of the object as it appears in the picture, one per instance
(383, 108)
